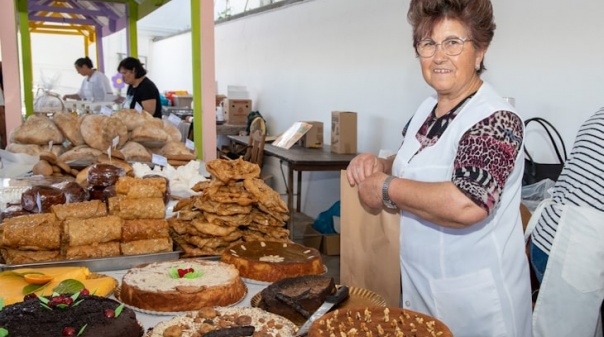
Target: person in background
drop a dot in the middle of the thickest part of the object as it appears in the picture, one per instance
(567, 241)
(2, 112)
(95, 86)
(456, 181)
(141, 89)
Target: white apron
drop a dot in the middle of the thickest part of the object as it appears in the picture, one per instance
(572, 290)
(476, 280)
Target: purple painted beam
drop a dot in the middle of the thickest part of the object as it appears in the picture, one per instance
(61, 20)
(110, 13)
(88, 16)
(100, 62)
(81, 11)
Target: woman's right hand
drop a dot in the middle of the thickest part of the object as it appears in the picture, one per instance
(363, 166)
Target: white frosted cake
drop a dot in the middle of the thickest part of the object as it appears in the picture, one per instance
(182, 285)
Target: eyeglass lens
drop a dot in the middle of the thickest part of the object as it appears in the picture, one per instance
(452, 47)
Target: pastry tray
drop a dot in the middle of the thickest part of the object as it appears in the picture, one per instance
(103, 263)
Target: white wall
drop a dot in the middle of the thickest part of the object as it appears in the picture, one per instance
(305, 60)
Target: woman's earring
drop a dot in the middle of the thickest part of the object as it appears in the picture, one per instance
(477, 67)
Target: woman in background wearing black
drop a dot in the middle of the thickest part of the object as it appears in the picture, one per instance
(141, 89)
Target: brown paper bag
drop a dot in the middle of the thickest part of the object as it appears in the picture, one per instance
(369, 251)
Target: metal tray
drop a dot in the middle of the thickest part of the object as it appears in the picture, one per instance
(104, 263)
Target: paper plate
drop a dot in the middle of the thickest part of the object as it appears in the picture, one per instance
(117, 294)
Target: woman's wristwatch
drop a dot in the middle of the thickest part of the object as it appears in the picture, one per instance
(385, 197)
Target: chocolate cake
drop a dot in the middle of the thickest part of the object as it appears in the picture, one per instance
(103, 175)
(297, 298)
(74, 192)
(38, 199)
(93, 316)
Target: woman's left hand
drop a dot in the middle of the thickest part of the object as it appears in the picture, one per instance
(370, 190)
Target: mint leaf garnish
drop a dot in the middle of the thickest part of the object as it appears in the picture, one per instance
(3, 332)
(1, 303)
(118, 310)
(82, 330)
(30, 288)
(69, 286)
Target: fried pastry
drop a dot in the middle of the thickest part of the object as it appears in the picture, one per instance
(227, 170)
(133, 230)
(149, 246)
(141, 188)
(143, 208)
(15, 256)
(92, 251)
(82, 232)
(32, 232)
(80, 210)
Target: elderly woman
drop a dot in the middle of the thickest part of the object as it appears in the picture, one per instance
(456, 180)
(95, 86)
(141, 89)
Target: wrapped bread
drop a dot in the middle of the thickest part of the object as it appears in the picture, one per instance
(80, 153)
(172, 131)
(15, 256)
(70, 127)
(141, 188)
(37, 129)
(143, 208)
(32, 232)
(150, 135)
(80, 210)
(82, 232)
(99, 131)
(177, 151)
(133, 119)
(92, 251)
(146, 246)
(134, 151)
(144, 229)
(30, 149)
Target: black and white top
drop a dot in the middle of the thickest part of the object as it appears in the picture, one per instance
(581, 182)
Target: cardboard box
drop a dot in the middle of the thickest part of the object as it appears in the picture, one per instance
(328, 244)
(344, 132)
(314, 137)
(312, 238)
(183, 101)
(236, 111)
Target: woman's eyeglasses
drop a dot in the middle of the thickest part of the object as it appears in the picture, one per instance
(451, 46)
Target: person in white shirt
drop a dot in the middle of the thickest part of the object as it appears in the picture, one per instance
(95, 87)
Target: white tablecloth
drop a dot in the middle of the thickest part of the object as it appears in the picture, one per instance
(149, 320)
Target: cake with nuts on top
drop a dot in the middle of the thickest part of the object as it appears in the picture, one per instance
(378, 321)
(270, 261)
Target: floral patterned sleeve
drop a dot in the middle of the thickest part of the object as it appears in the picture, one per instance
(486, 157)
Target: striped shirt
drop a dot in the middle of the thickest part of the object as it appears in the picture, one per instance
(581, 182)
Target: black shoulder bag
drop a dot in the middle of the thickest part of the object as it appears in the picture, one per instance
(533, 171)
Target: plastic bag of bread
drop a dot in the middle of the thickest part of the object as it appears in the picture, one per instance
(70, 127)
(99, 131)
(37, 129)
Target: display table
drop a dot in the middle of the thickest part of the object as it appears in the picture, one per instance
(150, 320)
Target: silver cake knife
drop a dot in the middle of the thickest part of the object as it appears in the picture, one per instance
(331, 301)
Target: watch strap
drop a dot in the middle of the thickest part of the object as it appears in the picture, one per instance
(385, 197)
